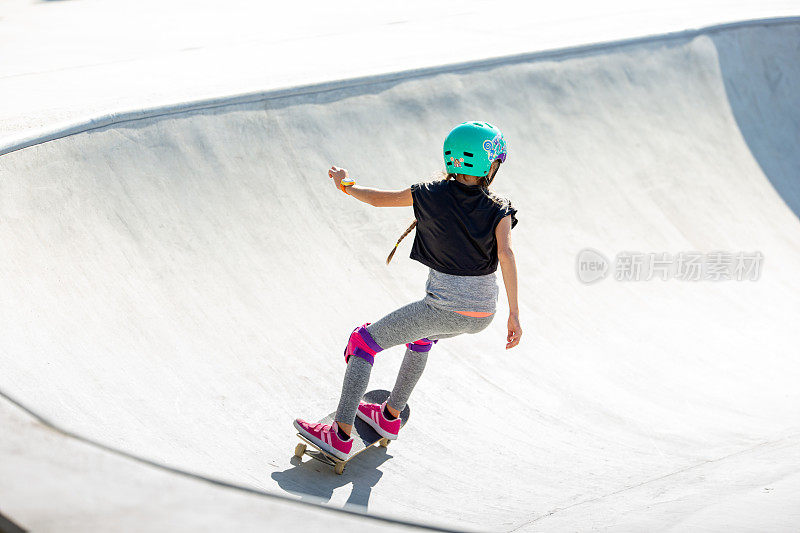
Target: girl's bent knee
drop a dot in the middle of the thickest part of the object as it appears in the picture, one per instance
(361, 344)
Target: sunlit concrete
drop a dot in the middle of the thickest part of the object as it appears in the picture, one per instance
(66, 61)
(54, 483)
(181, 287)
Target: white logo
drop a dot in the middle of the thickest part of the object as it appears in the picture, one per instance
(591, 266)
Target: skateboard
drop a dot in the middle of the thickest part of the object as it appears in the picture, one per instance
(363, 435)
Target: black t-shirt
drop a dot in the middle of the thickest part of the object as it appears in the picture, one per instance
(455, 227)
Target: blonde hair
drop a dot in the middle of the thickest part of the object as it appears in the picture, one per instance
(483, 183)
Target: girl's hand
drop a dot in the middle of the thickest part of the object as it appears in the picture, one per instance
(514, 331)
(337, 175)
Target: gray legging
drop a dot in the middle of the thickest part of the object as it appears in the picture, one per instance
(417, 320)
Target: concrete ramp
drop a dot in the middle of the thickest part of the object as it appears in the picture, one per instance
(180, 287)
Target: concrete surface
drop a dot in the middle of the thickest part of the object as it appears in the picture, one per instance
(181, 287)
(83, 487)
(69, 61)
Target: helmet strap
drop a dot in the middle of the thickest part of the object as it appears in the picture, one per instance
(490, 180)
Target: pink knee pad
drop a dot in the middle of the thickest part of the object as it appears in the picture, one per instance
(422, 345)
(361, 344)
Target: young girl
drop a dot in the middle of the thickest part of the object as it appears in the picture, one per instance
(463, 232)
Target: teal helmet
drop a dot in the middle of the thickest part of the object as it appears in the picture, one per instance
(471, 147)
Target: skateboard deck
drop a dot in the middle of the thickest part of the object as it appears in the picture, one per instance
(363, 435)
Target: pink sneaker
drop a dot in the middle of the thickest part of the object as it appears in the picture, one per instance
(372, 414)
(326, 437)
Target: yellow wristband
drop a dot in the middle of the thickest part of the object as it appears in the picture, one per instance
(346, 182)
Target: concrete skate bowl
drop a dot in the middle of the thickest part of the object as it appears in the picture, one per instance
(178, 285)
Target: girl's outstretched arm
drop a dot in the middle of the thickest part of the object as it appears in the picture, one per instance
(509, 267)
(376, 197)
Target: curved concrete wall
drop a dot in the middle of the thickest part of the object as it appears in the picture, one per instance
(181, 286)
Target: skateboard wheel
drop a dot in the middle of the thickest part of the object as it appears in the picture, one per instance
(385, 443)
(299, 450)
(339, 468)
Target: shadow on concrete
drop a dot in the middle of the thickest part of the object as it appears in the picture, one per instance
(7, 526)
(315, 481)
(761, 70)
